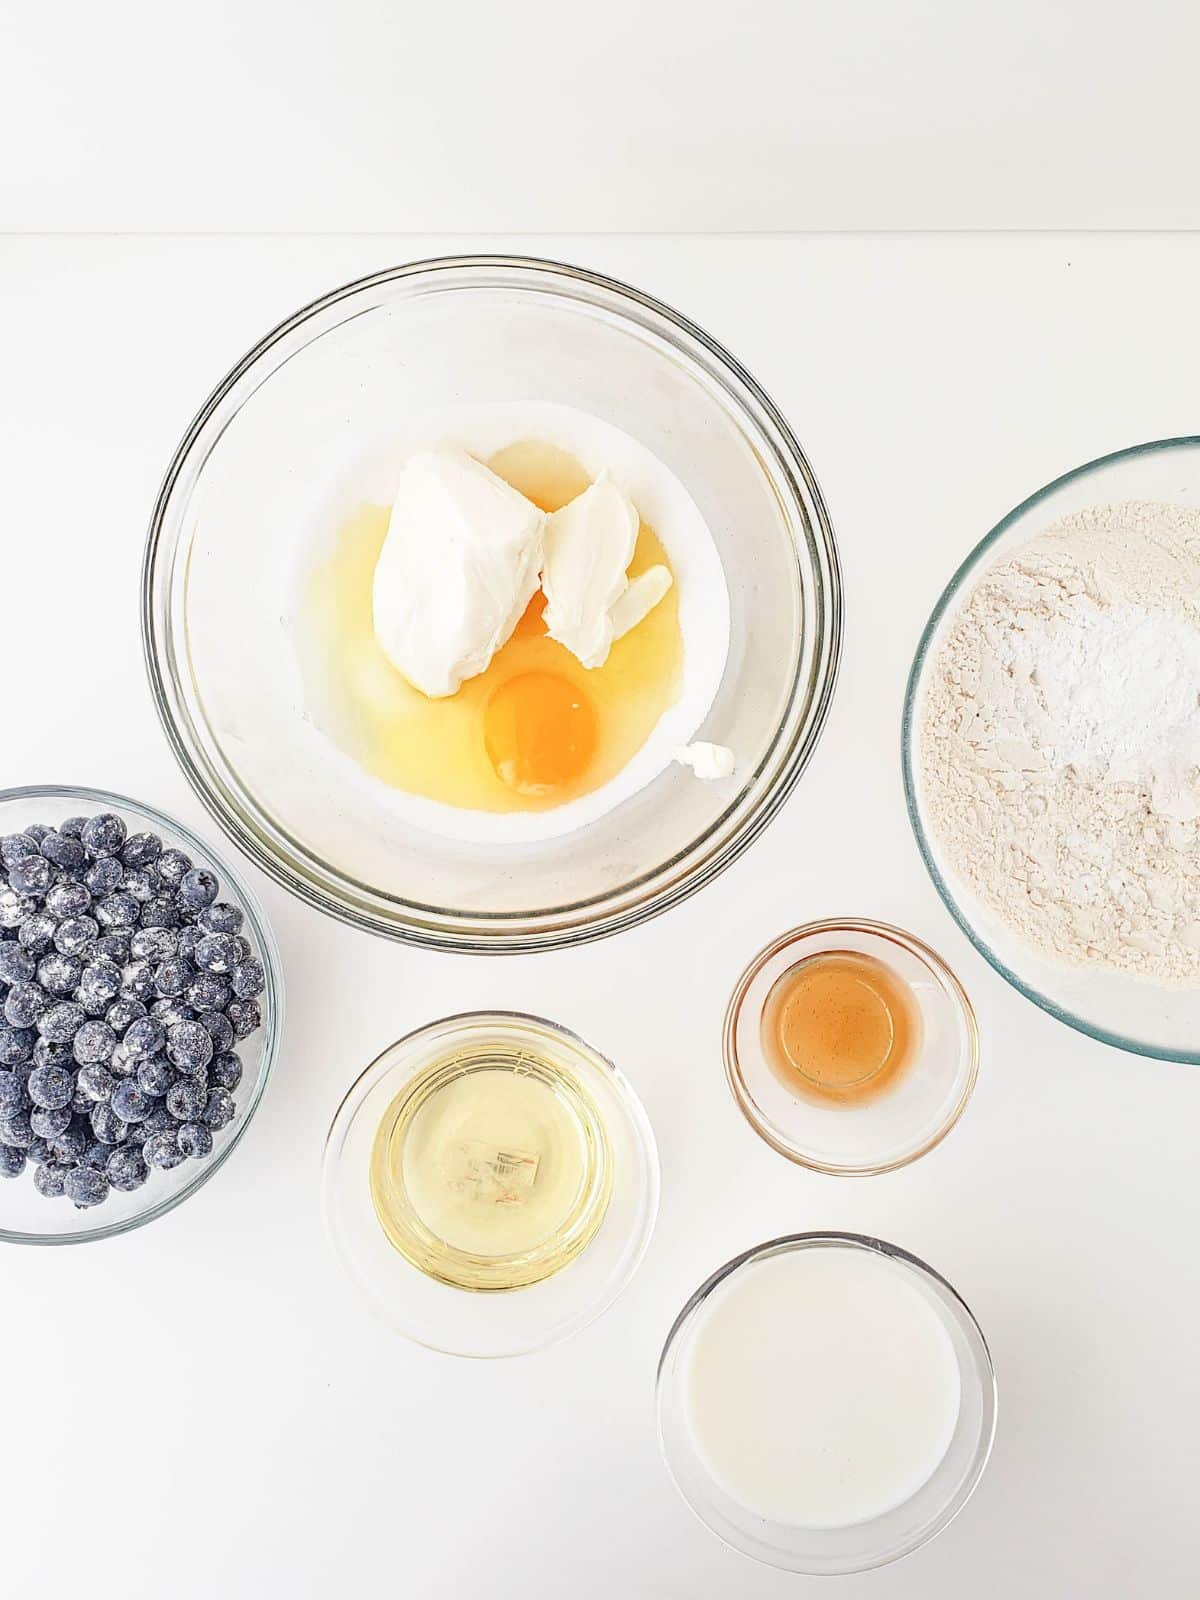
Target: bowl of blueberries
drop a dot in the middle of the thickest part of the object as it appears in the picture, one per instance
(140, 1012)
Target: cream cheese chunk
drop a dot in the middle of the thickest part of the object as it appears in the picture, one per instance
(707, 761)
(588, 546)
(458, 567)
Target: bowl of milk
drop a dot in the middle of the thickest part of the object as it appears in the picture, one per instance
(826, 1403)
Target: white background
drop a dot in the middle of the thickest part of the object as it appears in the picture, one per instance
(204, 1407)
(263, 115)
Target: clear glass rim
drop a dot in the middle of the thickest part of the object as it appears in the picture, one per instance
(946, 601)
(272, 1023)
(874, 1246)
(733, 1067)
(300, 871)
(446, 1027)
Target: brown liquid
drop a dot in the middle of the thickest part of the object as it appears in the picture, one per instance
(840, 1027)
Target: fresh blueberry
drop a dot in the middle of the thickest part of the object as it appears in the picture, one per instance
(208, 992)
(16, 1045)
(123, 1011)
(217, 952)
(141, 849)
(59, 975)
(160, 1120)
(196, 1140)
(138, 980)
(73, 827)
(113, 947)
(64, 851)
(249, 978)
(107, 1125)
(117, 911)
(62, 1022)
(50, 1179)
(68, 899)
(24, 1004)
(49, 1053)
(96, 1155)
(16, 964)
(189, 1046)
(219, 1027)
(96, 1082)
(173, 865)
(95, 1042)
(36, 933)
(220, 917)
(220, 1110)
(99, 985)
(12, 1161)
(169, 1012)
(162, 1150)
(160, 912)
(76, 936)
(32, 875)
(16, 847)
(155, 1077)
(71, 1144)
(154, 944)
(198, 890)
(86, 1187)
(16, 1130)
(37, 831)
(103, 876)
(126, 1169)
(171, 977)
(103, 835)
(143, 883)
(15, 908)
(186, 1100)
(51, 1087)
(49, 1124)
(130, 1104)
(145, 1037)
(189, 942)
(13, 1096)
(40, 1149)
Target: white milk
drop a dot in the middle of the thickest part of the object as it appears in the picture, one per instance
(821, 1387)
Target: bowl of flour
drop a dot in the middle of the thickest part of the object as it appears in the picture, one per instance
(1051, 748)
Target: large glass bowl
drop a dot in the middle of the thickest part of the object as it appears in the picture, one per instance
(861, 1545)
(310, 403)
(1148, 1018)
(26, 1217)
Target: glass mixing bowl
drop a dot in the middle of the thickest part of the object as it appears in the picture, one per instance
(489, 1320)
(860, 1545)
(307, 407)
(26, 1217)
(1148, 1018)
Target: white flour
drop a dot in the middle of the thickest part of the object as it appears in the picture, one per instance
(1059, 745)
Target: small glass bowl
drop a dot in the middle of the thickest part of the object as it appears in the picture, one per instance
(468, 1322)
(1131, 1013)
(903, 1121)
(861, 1545)
(303, 417)
(26, 1217)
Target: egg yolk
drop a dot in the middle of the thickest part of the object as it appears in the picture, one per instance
(539, 730)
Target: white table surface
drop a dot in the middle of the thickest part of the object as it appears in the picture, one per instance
(380, 115)
(204, 1407)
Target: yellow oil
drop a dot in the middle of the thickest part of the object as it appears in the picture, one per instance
(537, 729)
(491, 1172)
